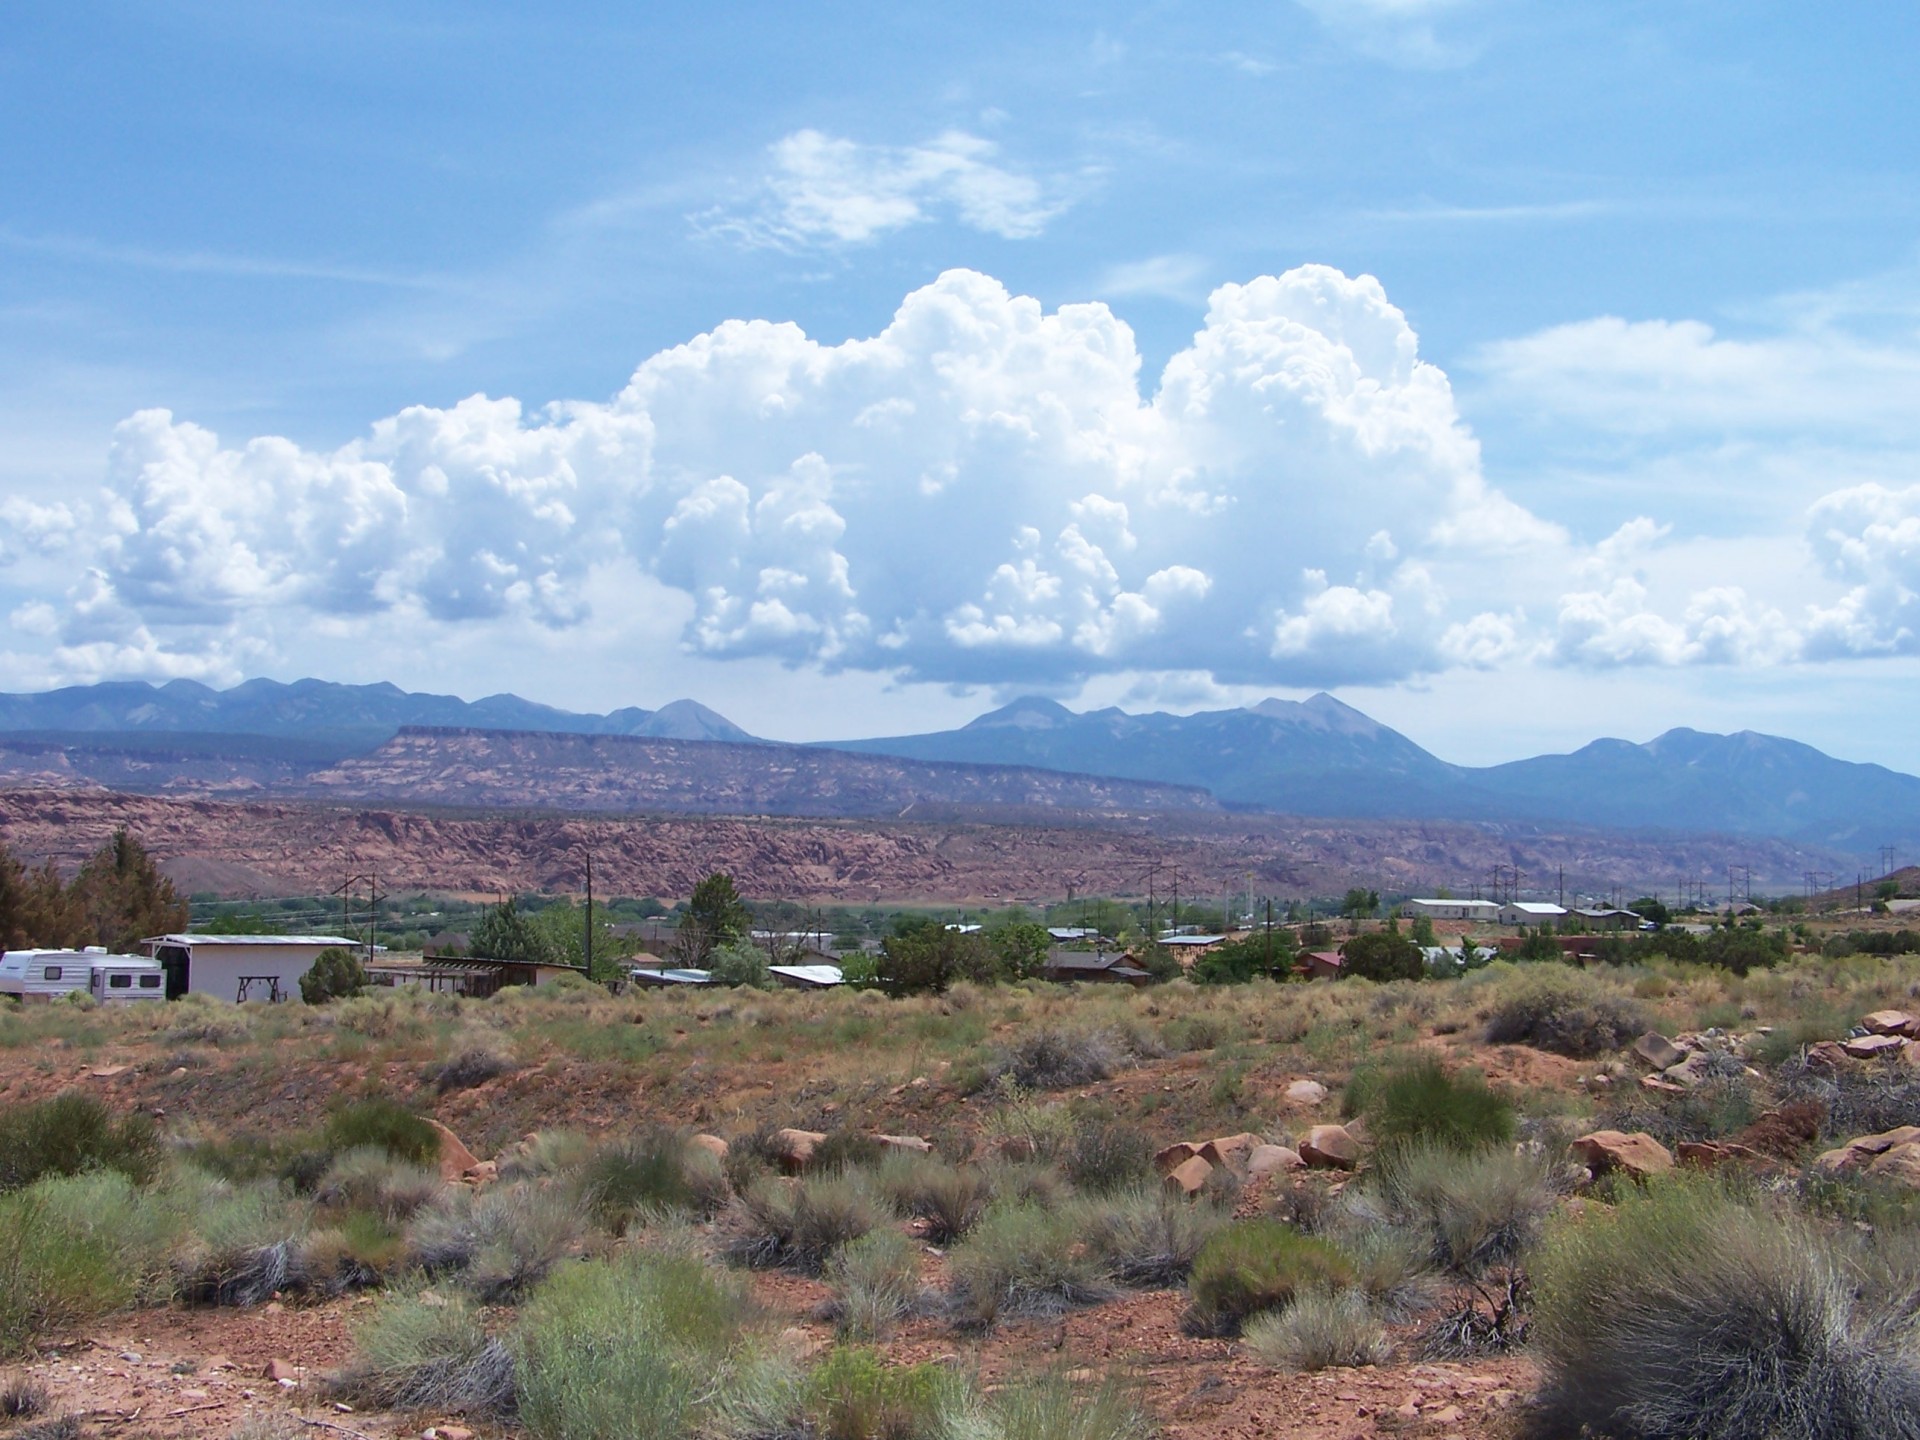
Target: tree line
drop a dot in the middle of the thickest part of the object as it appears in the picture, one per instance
(116, 899)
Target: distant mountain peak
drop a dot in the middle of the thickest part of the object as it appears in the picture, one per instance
(690, 720)
(1319, 711)
(1029, 712)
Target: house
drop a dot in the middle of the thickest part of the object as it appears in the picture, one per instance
(1607, 918)
(1322, 964)
(1098, 966)
(1531, 912)
(1068, 934)
(644, 975)
(1188, 946)
(806, 977)
(239, 967)
(1484, 912)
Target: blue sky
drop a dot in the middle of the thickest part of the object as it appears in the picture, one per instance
(1086, 363)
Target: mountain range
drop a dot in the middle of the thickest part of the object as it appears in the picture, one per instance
(1316, 757)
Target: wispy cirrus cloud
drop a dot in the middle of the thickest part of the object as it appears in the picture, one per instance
(89, 251)
(822, 189)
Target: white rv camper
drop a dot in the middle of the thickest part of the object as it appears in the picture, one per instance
(119, 979)
(47, 974)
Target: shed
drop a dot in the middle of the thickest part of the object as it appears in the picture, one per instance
(239, 967)
(1610, 919)
(644, 975)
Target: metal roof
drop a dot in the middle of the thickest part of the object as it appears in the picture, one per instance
(195, 939)
(810, 974)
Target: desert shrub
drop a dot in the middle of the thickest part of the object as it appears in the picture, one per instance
(1024, 1259)
(382, 1124)
(23, 1398)
(1253, 1265)
(1052, 1407)
(546, 1152)
(372, 1180)
(1146, 1237)
(1473, 1212)
(1422, 1102)
(1710, 1110)
(467, 1069)
(876, 1284)
(1318, 1330)
(358, 1252)
(1687, 1313)
(335, 974)
(798, 1224)
(498, 1243)
(947, 1198)
(246, 1247)
(1105, 1155)
(1864, 1098)
(846, 1150)
(1023, 1126)
(654, 1170)
(426, 1353)
(647, 1347)
(76, 1247)
(855, 1395)
(1052, 1058)
(72, 1133)
(61, 1427)
(1569, 1012)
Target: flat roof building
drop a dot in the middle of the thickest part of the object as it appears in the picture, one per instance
(239, 967)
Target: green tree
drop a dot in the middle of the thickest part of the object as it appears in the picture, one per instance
(1538, 945)
(1019, 949)
(1421, 931)
(1237, 961)
(120, 897)
(1360, 904)
(505, 932)
(560, 930)
(1381, 956)
(923, 957)
(13, 901)
(740, 962)
(1648, 908)
(335, 975)
(715, 916)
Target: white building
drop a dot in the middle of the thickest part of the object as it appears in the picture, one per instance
(1483, 911)
(239, 967)
(1531, 912)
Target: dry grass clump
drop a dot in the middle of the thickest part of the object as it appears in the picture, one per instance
(1318, 1330)
(427, 1353)
(1059, 1058)
(75, 1247)
(1552, 1007)
(23, 1398)
(946, 1198)
(1422, 1102)
(1250, 1266)
(370, 1179)
(70, 1134)
(855, 1395)
(653, 1171)
(1145, 1237)
(1024, 1259)
(468, 1069)
(798, 1224)
(1473, 1212)
(649, 1347)
(498, 1243)
(876, 1284)
(1689, 1312)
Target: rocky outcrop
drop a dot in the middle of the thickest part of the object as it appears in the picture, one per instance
(1637, 1154)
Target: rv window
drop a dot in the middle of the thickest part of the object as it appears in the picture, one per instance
(52, 972)
(149, 982)
(120, 982)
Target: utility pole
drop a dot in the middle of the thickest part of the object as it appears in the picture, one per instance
(1563, 887)
(1888, 855)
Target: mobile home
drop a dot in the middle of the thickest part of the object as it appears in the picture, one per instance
(119, 979)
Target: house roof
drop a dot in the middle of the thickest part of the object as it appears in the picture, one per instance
(1196, 940)
(822, 975)
(672, 977)
(1326, 957)
(1470, 904)
(191, 938)
(1536, 907)
(1087, 960)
